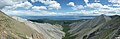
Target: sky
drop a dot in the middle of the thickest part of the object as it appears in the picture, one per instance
(60, 7)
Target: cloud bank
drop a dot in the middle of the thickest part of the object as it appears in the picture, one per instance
(4, 3)
(53, 7)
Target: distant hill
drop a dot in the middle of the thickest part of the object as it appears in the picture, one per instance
(58, 17)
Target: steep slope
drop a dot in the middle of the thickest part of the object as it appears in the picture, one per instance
(109, 30)
(48, 31)
(84, 29)
(19, 28)
(13, 29)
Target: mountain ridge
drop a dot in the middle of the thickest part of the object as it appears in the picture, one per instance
(87, 29)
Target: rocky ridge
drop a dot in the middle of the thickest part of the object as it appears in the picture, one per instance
(101, 27)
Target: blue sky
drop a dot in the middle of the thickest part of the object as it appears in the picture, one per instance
(60, 7)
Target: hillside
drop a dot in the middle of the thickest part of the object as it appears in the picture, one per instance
(19, 28)
(13, 29)
(101, 27)
(47, 30)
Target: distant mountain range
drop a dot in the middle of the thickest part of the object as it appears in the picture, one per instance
(59, 17)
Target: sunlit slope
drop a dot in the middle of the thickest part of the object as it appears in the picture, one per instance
(47, 30)
(13, 29)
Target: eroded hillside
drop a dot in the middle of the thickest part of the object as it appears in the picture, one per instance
(47, 30)
(13, 29)
(18, 28)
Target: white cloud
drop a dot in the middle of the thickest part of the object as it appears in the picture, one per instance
(29, 13)
(94, 12)
(71, 4)
(116, 5)
(12, 9)
(26, 5)
(77, 7)
(96, 5)
(90, 5)
(97, 8)
(111, 11)
(86, 1)
(50, 3)
(54, 6)
(4, 3)
(33, 1)
(35, 13)
(114, 1)
(39, 8)
(83, 13)
(97, 0)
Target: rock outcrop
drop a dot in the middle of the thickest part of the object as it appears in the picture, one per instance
(101, 27)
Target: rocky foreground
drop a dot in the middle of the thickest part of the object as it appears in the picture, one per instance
(101, 27)
(18, 28)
